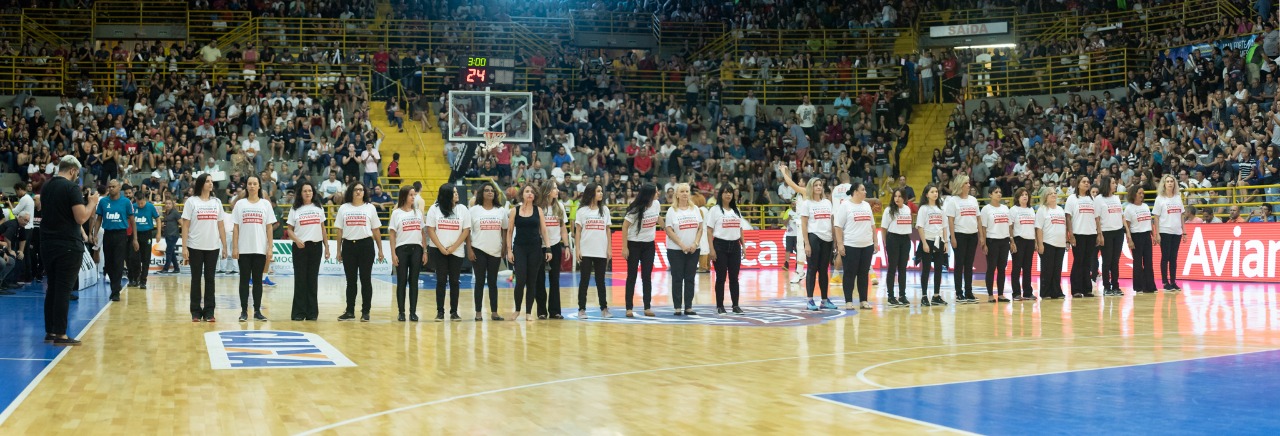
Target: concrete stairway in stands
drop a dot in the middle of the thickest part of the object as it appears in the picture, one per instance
(928, 133)
(421, 154)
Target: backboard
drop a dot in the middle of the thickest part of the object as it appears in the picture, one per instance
(471, 113)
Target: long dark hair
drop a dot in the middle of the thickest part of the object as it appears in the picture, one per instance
(733, 203)
(479, 198)
(351, 192)
(444, 200)
(893, 205)
(643, 200)
(199, 187)
(589, 198)
(315, 195)
(404, 197)
(924, 197)
(1105, 189)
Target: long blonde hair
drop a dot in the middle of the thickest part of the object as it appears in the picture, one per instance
(544, 199)
(808, 189)
(683, 187)
(1177, 191)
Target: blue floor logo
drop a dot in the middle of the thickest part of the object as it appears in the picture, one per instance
(262, 349)
(775, 313)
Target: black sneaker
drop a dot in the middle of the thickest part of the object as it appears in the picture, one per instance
(737, 309)
(413, 317)
(892, 301)
(969, 299)
(50, 337)
(720, 310)
(244, 316)
(347, 316)
(938, 301)
(439, 316)
(690, 312)
(115, 297)
(1087, 295)
(1173, 287)
(364, 317)
(924, 302)
(65, 342)
(257, 316)
(401, 317)
(453, 316)
(1077, 295)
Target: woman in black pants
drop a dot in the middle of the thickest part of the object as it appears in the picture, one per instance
(306, 230)
(527, 251)
(557, 233)
(816, 218)
(896, 222)
(931, 222)
(1052, 231)
(1167, 218)
(1084, 238)
(962, 218)
(447, 228)
(1111, 223)
(253, 219)
(640, 226)
(487, 241)
(1137, 227)
(995, 237)
(408, 249)
(724, 222)
(684, 228)
(359, 229)
(204, 237)
(1024, 244)
(591, 247)
(856, 242)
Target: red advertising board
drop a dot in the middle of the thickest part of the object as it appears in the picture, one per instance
(1244, 252)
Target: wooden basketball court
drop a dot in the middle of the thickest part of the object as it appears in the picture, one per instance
(145, 368)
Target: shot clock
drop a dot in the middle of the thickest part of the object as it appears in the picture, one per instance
(483, 71)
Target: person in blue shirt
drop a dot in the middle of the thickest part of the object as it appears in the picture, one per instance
(115, 216)
(147, 225)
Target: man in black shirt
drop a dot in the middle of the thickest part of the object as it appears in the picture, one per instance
(62, 245)
(12, 245)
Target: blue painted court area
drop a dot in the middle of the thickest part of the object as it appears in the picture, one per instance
(23, 352)
(1234, 394)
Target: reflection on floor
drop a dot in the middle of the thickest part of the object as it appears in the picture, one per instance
(145, 368)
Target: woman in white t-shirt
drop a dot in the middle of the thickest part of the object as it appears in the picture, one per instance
(931, 222)
(448, 226)
(1167, 220)
(251, 244)
(684, 231)
(1137, 229)
(856, 243)
(962, 218)
(995, 237)
(640, 226)
(1111, 225)
(306, 229)
(816, 216)
(1051, 242)
(1084, 238)
(725, 223)
(359, 229)
(557, 234)
(591, 247)
(203, 238)
(485, 245)
(896, 222)
(408, 250)
(1023, 217)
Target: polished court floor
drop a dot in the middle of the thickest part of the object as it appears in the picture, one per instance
(1153, 363)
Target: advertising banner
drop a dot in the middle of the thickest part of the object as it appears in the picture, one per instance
(1206, 49)
(1222, 252)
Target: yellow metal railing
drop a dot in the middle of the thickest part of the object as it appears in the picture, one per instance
(964, 16)
(820, 43)
(227, 27)
(693, 34)
(138, 13)
(71, 26)
(40, 75)
(1048, 75)
(309, 77)
(611, 22)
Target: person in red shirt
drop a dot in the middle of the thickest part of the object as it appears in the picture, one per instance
(644, 162)
(380, 60)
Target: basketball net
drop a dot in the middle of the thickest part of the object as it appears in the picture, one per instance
(492, 140)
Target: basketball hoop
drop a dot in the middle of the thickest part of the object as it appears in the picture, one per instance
(493, 139)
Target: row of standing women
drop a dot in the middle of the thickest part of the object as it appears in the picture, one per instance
(532, 236)
(1093, 223)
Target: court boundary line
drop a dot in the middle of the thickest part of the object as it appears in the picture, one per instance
(654, 370)
(31, 387)
(22, 359)
(863, 378)
(860, 409)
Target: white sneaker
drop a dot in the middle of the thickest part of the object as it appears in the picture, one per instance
(795, 278)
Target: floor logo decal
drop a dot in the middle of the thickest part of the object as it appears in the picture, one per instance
(258, 349)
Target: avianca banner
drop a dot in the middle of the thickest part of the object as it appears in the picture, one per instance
(1224, 252)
